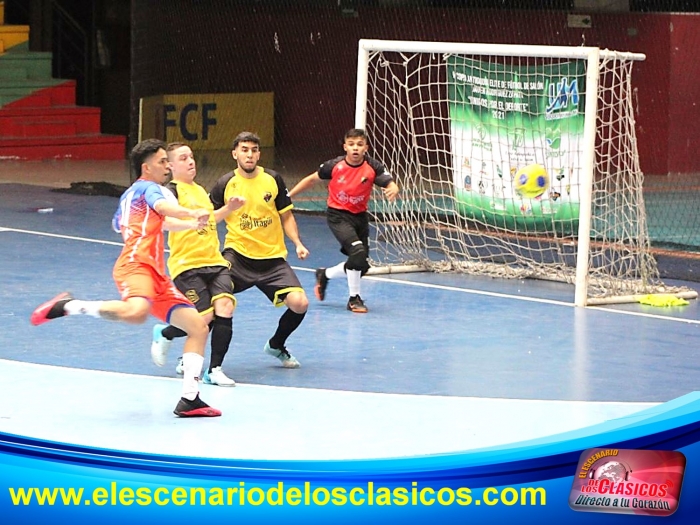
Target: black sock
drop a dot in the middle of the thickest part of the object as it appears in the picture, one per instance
(288, 323)
(221, 333)
(171, 332)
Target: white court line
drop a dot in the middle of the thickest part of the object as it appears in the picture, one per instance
(58, 236)
(516, 297)
(408, 283)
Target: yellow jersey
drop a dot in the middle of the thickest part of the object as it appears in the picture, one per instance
(254, 230)
(191, 249)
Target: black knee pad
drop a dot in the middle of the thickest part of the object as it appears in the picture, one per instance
(357, 259)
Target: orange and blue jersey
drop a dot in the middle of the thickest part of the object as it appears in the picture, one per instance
(141, 226)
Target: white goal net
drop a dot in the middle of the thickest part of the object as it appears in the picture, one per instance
(454, 123)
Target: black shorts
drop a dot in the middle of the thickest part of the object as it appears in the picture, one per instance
(273, 277)
(348, 228)
(204, 285)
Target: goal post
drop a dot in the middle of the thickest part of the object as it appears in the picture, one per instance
(454, 122)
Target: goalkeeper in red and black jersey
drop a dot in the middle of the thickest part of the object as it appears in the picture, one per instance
(351, 178)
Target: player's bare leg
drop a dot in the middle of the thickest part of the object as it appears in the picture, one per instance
(134, 310)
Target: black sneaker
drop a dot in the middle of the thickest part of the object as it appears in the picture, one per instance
(321, 284)
(50, 309)
(356, 305)
(195, 408)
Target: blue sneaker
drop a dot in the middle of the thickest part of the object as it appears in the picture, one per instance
(217, 377)
(287, 359)
(160, 345)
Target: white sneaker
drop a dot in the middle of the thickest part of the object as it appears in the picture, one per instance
(287, 359)
(179, 369)
(160, 345)
(217, 377)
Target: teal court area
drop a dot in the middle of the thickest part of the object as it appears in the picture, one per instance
(441, 363)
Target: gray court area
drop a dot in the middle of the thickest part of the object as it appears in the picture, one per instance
(441, 363)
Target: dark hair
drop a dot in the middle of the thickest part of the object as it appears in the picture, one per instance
(142, 151)
(245, 136)
(355, 133)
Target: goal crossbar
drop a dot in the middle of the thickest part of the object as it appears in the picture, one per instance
(466, 48)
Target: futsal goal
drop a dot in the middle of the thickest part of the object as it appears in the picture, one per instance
(454, 122)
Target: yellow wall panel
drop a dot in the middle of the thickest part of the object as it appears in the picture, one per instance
(208, 121)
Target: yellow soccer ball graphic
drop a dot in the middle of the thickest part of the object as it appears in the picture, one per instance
(531, 181)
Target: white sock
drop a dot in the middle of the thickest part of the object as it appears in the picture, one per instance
(354, 277)
(336, 272)
(192, 365)
(76, 307)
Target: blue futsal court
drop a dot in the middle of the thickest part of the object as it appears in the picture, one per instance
(441, 363)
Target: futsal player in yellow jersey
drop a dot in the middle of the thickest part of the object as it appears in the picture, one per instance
(197, 267)
(254, 244)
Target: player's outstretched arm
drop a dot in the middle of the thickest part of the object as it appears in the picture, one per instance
(231, 205)
(304, 184)
(289, 224)
(177, 225)
(171, 209)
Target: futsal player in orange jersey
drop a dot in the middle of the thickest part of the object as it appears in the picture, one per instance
(351, 178)
(139, 272)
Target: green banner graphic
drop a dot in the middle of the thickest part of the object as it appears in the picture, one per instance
(505, 117)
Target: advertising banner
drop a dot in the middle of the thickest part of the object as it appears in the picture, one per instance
(506, 117)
